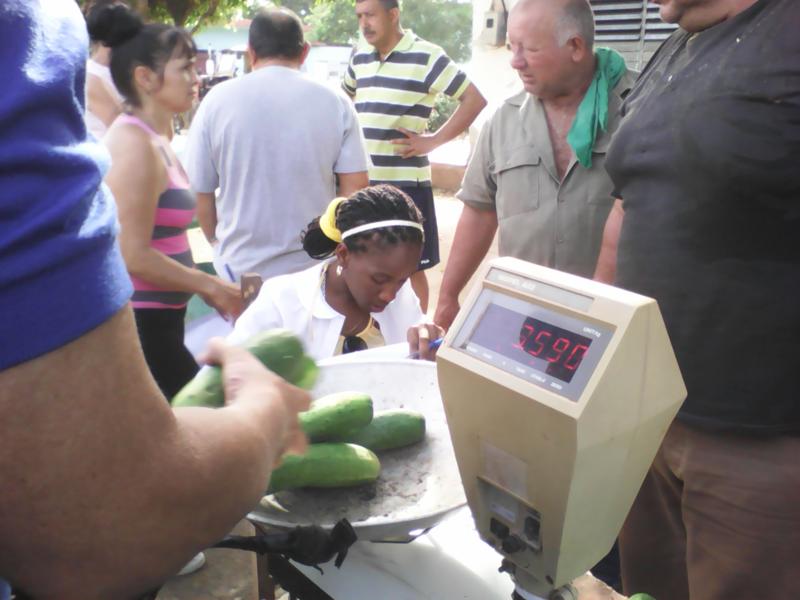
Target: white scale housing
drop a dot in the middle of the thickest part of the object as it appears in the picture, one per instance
(558, 391)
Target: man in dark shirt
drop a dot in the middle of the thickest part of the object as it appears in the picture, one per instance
(706, 164)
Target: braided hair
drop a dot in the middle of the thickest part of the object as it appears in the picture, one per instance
(135, 43)
(369, 205)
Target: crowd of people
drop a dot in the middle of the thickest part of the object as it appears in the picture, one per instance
(679, 183)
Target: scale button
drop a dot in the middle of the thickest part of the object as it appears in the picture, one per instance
(498, 528)
(532, 528)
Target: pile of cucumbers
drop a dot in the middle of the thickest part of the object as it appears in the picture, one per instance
(343, 431)
(345, 434)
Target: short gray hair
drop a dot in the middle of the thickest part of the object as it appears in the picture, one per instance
(575, 19)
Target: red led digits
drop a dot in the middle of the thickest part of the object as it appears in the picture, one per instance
(575, 357)
(539, 341)
(524, 335)
(538, 345)
(559, 347)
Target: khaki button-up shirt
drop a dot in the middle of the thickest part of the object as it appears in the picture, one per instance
(554, 223)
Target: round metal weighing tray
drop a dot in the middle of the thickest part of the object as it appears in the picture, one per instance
(418, 485)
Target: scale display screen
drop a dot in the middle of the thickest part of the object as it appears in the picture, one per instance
(542, 346)
(551, 349)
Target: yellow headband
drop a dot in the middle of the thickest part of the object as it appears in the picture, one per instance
(327, 222)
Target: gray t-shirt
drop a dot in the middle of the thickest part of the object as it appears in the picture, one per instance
(272, 142)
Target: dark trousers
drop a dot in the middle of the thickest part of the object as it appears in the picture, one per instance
(717, 518)
(161, 334)
(422, 196)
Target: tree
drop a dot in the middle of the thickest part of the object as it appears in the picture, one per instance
(301, 7)
(333, 22)
(192, 14)
(447, 23)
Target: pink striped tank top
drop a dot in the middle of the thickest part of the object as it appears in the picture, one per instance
(174, 213)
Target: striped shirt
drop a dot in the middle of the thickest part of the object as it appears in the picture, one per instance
(174, 213)
(399, 92)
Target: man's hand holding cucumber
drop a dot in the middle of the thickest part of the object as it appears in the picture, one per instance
(248, 383)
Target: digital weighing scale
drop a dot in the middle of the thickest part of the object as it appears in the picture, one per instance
(558, 391)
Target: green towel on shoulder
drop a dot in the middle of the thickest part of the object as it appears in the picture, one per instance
(592, 115)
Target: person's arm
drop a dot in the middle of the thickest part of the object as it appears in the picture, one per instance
(474, 234)
(352, 182)
(349, 82)
(201, 168)
(471, 103)
(351, 163)
(606, 269)
(262, 314)
(420, 338)
(100, 102)
(108, 491)
(136, 179)
(207, 215)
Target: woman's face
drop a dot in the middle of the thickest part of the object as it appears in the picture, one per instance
(179, 84)
(376, 275)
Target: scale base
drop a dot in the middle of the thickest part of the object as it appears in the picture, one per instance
(566, 592)
(527, 587)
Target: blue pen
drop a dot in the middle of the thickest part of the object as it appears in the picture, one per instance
(433, 345)
(230, 273)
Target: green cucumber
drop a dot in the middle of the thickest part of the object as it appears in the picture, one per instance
(390, 429)
(278, 349)
(305, 374)
(336, 415)
(326, 466)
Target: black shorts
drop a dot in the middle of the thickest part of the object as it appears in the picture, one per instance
(423, 198)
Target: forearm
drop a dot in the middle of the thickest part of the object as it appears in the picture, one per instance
(113, 491)
(606, 269)
(207, 215)
(473, 237)
(470, 105)
(350, 183)
(160, 270)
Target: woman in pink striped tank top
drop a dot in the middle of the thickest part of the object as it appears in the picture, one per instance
(153, 68)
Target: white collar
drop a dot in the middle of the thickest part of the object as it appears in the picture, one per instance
(310, 295)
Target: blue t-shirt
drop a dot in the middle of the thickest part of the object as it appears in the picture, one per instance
(61, 271)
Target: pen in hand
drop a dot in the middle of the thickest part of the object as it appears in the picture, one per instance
(433, 345)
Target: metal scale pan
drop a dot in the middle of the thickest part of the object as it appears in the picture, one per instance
(418, 485)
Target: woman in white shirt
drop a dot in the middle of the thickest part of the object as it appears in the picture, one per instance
(360, 296)
(104, 103)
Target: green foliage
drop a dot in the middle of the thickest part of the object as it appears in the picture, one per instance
(447, 23)
(442, 109)
(333, 22)
(194, 14)
(301, 7)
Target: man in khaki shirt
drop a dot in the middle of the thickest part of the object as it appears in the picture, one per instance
(524, 177)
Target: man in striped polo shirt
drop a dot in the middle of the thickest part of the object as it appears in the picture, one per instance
(395, 84)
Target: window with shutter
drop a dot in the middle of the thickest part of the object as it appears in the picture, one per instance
(633, 28)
